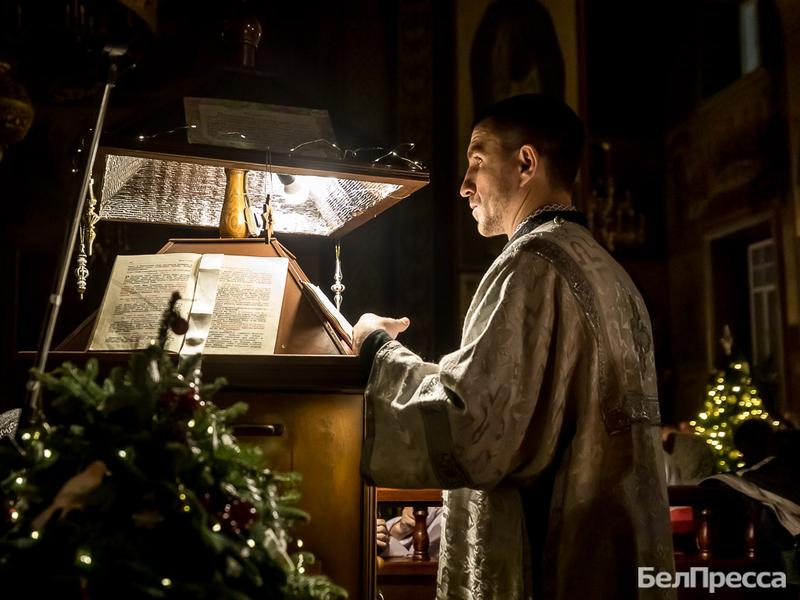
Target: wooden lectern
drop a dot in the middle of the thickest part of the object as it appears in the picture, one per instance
(306, 400)
(306, 413)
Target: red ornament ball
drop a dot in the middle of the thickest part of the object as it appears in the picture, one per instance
(188, 401)
(183, 401)
(237, 515)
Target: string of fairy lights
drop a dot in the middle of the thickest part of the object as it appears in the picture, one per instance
(731, 399)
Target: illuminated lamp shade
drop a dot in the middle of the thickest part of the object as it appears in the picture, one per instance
(154, 182)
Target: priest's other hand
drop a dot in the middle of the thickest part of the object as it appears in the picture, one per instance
(404, 527)
(369, 322)
(381, 534)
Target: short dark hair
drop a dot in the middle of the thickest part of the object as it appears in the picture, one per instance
(546, 123)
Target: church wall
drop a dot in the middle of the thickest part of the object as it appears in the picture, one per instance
(790, 30)
(727, 182)
(473, 254)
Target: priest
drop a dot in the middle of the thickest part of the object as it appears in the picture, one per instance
(543, 425)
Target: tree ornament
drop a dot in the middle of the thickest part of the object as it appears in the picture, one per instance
(73, 493)
(179, 326)
(183, 401)
(237, 515)
(189, 401)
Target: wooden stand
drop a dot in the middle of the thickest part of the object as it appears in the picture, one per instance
(306, 413)
(302, 330)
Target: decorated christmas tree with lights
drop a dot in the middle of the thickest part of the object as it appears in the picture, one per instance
(731, 398)
(135, 487)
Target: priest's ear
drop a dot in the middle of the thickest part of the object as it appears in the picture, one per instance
(529, 161)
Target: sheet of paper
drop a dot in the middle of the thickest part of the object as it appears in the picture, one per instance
(136, 297)
(205, 297)
(247, 309)
(330, 309)
(250, 125)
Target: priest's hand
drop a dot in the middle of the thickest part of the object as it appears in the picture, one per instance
(381, 534)
(369, 322)
(404, 527)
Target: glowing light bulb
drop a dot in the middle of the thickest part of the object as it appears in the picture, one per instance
(295, 192)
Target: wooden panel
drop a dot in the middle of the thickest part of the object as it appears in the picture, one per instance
(276, 373)
(432, 497)
(404, 579)
(322, 437)
(407, 567)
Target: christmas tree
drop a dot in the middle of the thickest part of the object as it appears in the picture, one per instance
(135, 487)
(731, 398)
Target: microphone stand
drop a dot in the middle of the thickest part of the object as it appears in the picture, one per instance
(32, 411)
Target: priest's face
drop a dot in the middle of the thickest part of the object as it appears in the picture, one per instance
(491, 181)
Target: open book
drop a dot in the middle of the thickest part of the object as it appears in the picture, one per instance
(232, 303)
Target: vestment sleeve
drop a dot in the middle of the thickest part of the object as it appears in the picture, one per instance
(492, 409)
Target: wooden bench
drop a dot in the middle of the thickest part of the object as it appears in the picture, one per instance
(721, 536)
(414, 577)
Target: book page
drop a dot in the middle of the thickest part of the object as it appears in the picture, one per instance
(247, 308)
(136, 297)
(343, 326)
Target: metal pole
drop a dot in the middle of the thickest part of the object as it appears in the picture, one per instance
(32, 410)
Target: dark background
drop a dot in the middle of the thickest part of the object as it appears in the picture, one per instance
(385, 72)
